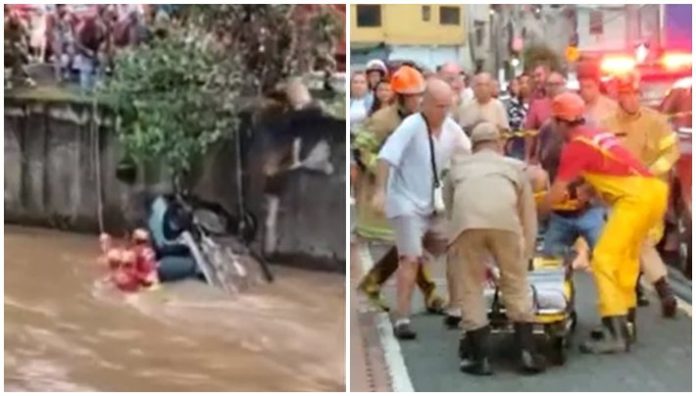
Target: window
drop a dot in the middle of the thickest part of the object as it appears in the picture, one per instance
(425, 13)
(369, 15)
(596, 22)
(449, 15)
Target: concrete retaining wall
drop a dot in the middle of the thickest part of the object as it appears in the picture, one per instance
(51, 167)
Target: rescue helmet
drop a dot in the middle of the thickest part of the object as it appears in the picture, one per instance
(568, 106)
(628, 83)
(376, 65)
(141, 235)
(407, 81)
(588, 69)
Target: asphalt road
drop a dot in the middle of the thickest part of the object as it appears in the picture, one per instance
(660, 361)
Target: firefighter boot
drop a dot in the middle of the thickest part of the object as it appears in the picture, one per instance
(632, 325)
(598, 332)
(378, 275)
(386, 266)
(530, 361)
(433, 303)
(667, 299)
(615, 337)
(374, 295)
(476, 362)
(463, 347)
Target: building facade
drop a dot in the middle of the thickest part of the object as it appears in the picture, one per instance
(617, 27)
(430, 34)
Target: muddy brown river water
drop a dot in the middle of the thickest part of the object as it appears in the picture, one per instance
(67, 331)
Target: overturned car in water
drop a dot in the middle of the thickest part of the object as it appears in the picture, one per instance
(264, 213)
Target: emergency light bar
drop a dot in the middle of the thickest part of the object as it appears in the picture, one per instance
(670, 63)
(617, 64)
(676, 61)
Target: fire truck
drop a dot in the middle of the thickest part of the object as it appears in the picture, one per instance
(662, 57)
(678, 104)
(664, 63)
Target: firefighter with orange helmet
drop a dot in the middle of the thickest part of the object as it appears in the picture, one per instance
(637, 200)
(647, 134)
(409, 85)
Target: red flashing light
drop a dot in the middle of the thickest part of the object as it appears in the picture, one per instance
(618, 64)
(676, 61)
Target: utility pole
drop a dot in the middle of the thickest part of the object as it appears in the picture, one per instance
(493, 39)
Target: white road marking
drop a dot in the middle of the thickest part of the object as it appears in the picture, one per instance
(684, 306)
(394, 359)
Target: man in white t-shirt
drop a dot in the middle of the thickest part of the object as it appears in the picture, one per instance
(406, 188)
(484, 107)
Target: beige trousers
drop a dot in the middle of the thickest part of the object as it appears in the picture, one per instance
(469, 254)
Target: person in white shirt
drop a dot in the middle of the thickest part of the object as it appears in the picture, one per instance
(467, 93)
(409, 173)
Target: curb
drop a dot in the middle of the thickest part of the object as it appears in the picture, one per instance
(394, 359)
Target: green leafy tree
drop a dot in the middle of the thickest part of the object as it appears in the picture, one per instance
(182, 92)
(541, 55)
(174, 100)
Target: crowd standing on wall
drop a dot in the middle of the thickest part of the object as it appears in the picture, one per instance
(80, 42)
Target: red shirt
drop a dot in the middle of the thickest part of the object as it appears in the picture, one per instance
(145, 263)
(601, 160)
(132, 275)
(539, 112)
(597, 153)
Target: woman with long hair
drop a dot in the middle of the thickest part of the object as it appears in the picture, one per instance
(384, 96)
(517, 108)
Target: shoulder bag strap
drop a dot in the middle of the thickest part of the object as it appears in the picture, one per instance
(436, 179)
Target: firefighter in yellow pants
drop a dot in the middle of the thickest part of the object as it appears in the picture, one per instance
(647, 134)
(407, 83)
(637, 200)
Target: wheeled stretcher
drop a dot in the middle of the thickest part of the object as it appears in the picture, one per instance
(553, 293)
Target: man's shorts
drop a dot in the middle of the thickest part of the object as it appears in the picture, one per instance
(412, 232)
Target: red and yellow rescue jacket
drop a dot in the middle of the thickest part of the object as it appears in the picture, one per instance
(601, 160)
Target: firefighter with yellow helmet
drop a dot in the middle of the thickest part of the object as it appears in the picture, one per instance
(409, 85)
(648, 135)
